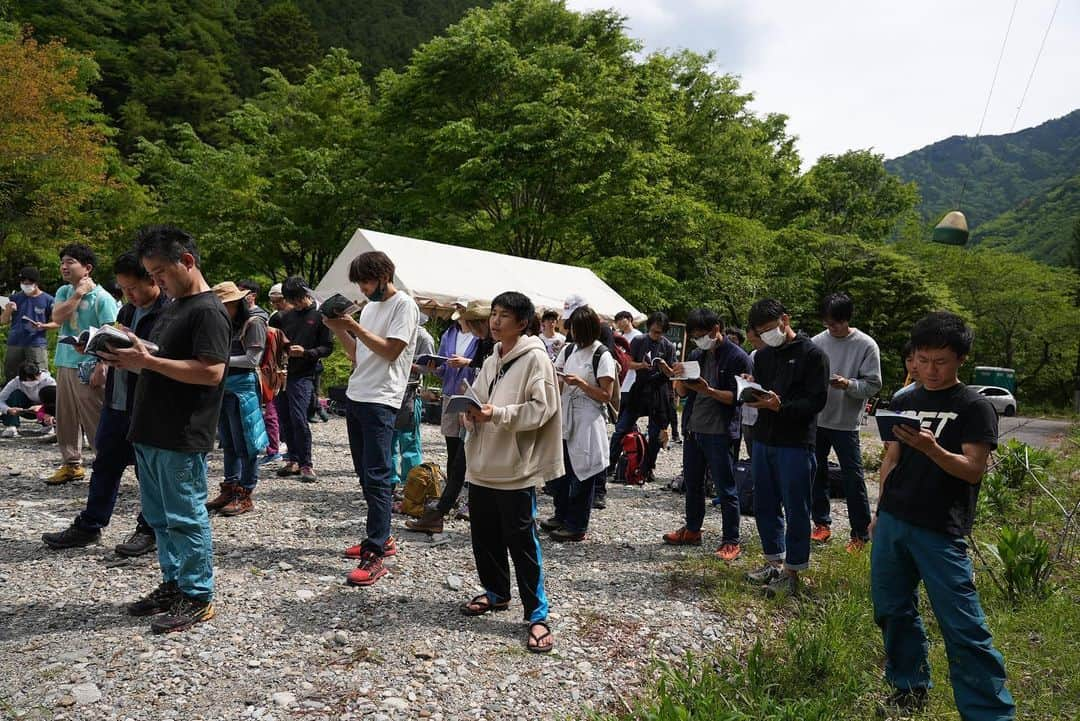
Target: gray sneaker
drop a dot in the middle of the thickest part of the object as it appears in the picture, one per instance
(766, 574)
(785, 585)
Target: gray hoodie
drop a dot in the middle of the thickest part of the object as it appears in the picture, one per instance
(855, 357)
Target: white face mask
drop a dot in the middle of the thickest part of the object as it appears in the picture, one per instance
(705, 342)
(27, 288)
(774, 338)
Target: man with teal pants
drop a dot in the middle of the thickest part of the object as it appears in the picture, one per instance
(174, 425)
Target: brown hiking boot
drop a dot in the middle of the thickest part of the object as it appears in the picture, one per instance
(430, 522)
(240, 503)
(683, 537)
(224, 497)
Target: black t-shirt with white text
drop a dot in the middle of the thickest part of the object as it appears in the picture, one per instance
(182, 416)
(918, 490)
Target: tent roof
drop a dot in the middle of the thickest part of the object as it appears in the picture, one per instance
(436, 275)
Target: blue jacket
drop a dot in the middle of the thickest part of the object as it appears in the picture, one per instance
(452, 378)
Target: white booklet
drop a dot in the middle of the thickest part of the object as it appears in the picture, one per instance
(463, 402)
(105, 338)
(691, 371)
(748, 391)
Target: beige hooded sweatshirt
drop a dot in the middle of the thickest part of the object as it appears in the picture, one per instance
(522, 445)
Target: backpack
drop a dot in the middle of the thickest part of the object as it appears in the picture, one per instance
(630, 468)
(275, 361)
(620, 349)
(615, 397)
(423, 484)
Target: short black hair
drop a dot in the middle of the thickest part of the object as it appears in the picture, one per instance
(517, 303)
(837, 307)
(624, 314)
(737, 332)
(549, 315)
(30, 273)
(114, 290)
(942, 330)
(29, 371)
(294, 288)
(584, 326)
(128, 264)
(765, 311)
(701, 319)
(658, 317)
(250, 286)
(907, 351)
(79, 252)
(372, 265)
(165, 241)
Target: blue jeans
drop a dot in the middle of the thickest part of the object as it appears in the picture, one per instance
(371, 431)
(240, 467)
(406, 443)
(849, 453)
(292, 407)
(714, 451)
(573, 497)
(782, 480)
(173, 485)
(114, 454)
(901, 555)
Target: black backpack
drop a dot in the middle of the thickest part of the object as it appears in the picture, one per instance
(613, 401)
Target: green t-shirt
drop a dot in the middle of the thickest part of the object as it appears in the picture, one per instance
(97, 308)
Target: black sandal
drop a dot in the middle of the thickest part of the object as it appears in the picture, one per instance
(537, 639)
(485, 604)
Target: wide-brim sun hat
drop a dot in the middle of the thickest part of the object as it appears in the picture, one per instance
(228, 292)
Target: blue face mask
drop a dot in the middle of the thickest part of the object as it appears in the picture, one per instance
(378, 294)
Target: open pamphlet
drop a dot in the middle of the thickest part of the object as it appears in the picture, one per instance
(749, 391)
(338, 306)
(888, 420)
(463, 402)
(691, 371)
(105, 338)
(426, 360)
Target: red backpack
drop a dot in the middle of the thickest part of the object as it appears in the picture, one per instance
(272, 367)
(631, 466)
(620, 349)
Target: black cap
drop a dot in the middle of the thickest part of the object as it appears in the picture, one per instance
(30, 273)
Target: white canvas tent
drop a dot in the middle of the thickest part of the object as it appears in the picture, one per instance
(436, 275)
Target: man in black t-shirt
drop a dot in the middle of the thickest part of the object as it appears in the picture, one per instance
(929, 486)
(174, 425)
(649, 396)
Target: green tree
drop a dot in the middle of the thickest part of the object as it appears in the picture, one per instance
(852, 194)
(284, 38)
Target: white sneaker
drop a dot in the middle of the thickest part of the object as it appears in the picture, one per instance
(10, 432)
(49, 435)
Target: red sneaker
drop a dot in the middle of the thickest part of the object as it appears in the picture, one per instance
(356, 552)
(370, 570)
(855, 545)
(683, 537)
(728, 551)
(820, 534)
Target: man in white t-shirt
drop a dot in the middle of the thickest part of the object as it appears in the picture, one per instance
(553, 339)
(624, 323)
(381, 347)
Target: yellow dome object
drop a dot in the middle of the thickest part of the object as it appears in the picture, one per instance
(952, 230)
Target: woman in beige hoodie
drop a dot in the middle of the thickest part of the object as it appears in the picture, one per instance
(514, 444)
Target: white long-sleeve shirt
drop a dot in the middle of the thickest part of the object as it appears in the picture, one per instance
(32, 389)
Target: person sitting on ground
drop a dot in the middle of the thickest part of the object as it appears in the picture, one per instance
(475, 319)
(30, 314)
(929, 493)
(381, 346)
(240, 427)
(31, 394)
(553, 339)
(715, 437)
(514, 444)
(310, 341)
(795, 375)
(114, 451)
(588, 374)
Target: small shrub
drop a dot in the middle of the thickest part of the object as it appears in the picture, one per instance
(1014, 459)
(996, 498)
(1025, 561)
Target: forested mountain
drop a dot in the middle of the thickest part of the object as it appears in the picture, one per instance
(169, 61)
(1022, 189)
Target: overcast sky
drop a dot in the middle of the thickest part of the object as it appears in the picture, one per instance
(894, 76)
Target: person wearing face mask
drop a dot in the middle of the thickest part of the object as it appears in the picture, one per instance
(381, 345)
(714, 436)
(30, 314)
(309, 341)
(795, 375)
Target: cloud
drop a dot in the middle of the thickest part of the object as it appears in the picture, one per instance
(894, 76)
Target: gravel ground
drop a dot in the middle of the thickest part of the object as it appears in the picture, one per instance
(292, 641)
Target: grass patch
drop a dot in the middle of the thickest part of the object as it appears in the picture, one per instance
(819, 656)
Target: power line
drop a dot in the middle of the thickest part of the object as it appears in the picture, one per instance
(1038, 55)
(989, 96)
